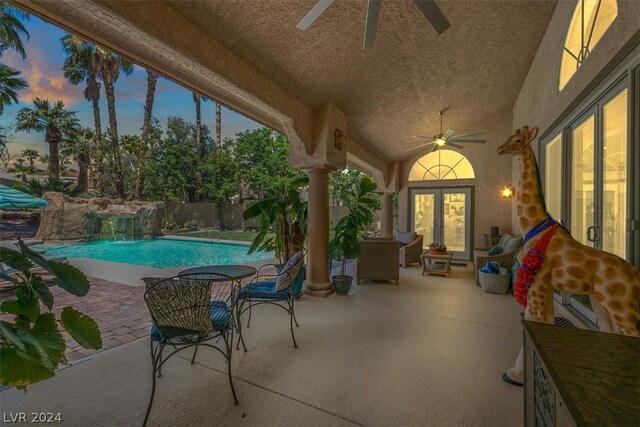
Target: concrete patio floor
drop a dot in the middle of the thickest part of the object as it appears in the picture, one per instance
(428, 352)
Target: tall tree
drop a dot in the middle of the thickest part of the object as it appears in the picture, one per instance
(197, 99)
(78, 146)
(263, 159)
(55, 121)
(10, 84)
(83, 64)
(152, 78)
(173, 162)
(218, 127)
(111, 65)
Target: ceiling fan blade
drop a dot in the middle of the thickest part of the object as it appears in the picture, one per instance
(451, 144)
(433, 14)
(447, 134)
(435, 148)
(422, 136)
(419, 146)
(471, 141)
(371, 23)
(464, 135)
(313, 14)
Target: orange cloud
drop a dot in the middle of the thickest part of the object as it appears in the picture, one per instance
(45, 79)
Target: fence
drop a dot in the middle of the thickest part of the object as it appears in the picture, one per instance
(230, 216)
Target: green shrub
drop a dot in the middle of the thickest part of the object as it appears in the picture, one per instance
(38, 188)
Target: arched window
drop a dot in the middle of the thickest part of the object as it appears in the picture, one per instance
(441, 165)
(590, 21)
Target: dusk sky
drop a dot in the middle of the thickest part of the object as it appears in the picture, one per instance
(43, 70)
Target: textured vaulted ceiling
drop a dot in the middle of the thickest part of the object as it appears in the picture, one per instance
(395, 89)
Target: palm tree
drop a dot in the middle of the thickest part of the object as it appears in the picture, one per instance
(78, 145)
(111, 65)
(197, 99)
(12, 29)
(30, 155)
(10, 84)
(54, 120)
(218, 126)
(82, 64)
(152, 78)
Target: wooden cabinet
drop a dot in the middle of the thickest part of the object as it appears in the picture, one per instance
(580, 377)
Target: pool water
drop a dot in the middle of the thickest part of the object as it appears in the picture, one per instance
(159, 253)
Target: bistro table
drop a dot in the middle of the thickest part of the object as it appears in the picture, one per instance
(233, 271)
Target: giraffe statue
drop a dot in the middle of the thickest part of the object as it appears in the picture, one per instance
(567, 265)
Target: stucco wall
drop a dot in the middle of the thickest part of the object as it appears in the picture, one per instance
(492, 172)
(539, 102)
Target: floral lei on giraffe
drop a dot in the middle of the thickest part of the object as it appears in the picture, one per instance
(532, 262)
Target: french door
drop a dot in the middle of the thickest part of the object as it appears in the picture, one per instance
(443, 215)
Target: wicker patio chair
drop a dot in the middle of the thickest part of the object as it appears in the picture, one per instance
(280, 290)
(411, 253)
(190, 311)
(379, 260)
(511, 247)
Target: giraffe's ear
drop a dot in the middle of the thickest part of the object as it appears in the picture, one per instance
(531, 135)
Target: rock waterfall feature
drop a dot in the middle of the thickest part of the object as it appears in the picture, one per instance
(68, 218)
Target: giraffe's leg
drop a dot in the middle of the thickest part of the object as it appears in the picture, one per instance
(605, 321)
(539, 309)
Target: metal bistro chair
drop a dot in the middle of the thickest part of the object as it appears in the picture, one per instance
(280, 290)
(189, 311)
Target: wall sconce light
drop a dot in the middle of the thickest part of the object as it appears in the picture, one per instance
(508, 192)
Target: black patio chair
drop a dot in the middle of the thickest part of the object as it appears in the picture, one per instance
(280, 290)
(190, 311)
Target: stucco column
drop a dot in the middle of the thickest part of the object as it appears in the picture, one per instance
(386, 215)
(318, 283)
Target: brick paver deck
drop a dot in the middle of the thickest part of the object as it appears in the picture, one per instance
(119, 310)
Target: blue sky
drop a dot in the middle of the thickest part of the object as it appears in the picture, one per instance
(43, 70)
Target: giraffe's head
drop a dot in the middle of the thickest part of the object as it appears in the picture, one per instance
(518, 143)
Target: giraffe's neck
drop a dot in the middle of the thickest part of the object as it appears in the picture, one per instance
(530, 206)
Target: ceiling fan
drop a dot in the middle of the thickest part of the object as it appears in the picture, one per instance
(447, 138)
(428, 8)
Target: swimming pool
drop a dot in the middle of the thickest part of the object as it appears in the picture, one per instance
(160, 253)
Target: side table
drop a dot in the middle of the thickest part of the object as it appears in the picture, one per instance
(430, 266)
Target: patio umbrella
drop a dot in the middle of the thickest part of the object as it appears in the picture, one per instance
(11, 198)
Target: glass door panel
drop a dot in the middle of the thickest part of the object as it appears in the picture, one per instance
(614, 211)
(424, 215)
(443, 215)
(553, 177)
(582, 182)
(454, 221)
(583, 209)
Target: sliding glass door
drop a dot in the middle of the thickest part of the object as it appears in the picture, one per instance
(598, 153)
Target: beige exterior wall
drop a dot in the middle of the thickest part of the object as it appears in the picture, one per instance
(492, 172)
(539, 102)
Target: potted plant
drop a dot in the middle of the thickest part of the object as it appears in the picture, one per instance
(348, 232)
(283, 221)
